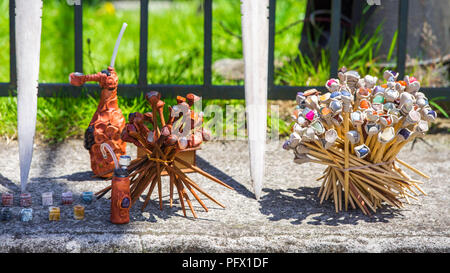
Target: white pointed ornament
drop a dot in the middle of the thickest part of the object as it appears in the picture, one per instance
(255, 33)
(28, 40)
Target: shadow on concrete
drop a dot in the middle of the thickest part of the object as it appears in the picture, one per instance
(79, 177)
(167, 212)
(207, 167)
(7, 183)
(299, 204)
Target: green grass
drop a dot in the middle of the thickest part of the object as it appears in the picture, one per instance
(175, 45)
(4, 42)
(175, 56)
(63, 117)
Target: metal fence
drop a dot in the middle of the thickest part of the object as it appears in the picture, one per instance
(207, 90)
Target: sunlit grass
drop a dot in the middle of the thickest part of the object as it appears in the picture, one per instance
(175, 56)
(62, 117)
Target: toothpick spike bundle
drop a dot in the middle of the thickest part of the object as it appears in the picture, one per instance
(357, 130)
(162, 143)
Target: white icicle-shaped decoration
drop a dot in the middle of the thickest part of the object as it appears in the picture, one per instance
(28, 40)
(255, 33)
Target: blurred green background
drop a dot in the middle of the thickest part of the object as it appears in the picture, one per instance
(175, 55)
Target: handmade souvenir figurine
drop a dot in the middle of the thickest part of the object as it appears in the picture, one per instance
(78, 212)
(7, 199)
(26, 214)
(87, 197)
(120, 188)
(54, 214)
(361, 155)
(47, 198)
(5, 214)
(161, 148)
(25, 200)
(108, 122)
(67, 198)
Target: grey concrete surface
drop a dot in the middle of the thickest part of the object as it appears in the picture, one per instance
(287, 218)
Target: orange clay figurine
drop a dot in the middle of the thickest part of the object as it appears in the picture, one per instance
(108, 122)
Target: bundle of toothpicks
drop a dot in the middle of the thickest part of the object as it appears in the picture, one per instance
(356, 130)
(161, 143)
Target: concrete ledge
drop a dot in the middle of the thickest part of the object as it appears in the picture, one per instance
(287, 218)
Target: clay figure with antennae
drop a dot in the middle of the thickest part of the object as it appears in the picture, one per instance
(160, 152)
(108, 122)
(120, 187)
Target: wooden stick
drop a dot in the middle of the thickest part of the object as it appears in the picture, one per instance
(412, 168)
(180, 195)
(328, 153)
(361, 135)
(137, 193)
(149, 193)
(352, 189)
(335, 197)
(399, 124)
(183, 191)
(346, 173)
(392, 150)
(360, 191)
(188, 180)
(373, 145)
(339, 192)
(171, 182)
(329, 189)
(200, 171)
(326, 186)
(386, 196)
(380, 153)
(358, 198)
(368, 140)
(158, 177)
(320, 178)
(327, 174)
(196, 196)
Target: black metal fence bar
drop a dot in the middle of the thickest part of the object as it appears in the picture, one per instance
(143, 44)
(271, 53)
(12, 43)
(207, 43)
(78, 32)
(402, 37)
(335, 35)
(134, 90)
(207, 90)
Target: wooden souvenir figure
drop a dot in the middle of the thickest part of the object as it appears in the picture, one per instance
(161, 143)
(108, 121)
(362, 165)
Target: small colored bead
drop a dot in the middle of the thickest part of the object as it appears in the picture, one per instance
(87, 197)
(67, 198)
(7, 199)
(54, 213)
(26, 214)
(5, 214)
(78, 212)
(310, 115)
(47, 199)
(25, 200)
